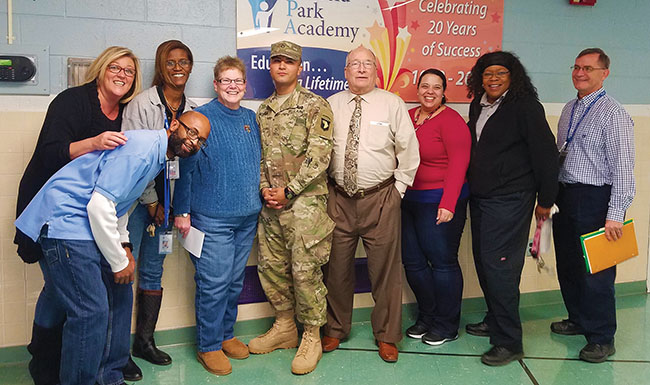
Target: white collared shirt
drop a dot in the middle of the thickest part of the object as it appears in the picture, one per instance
(387, 142)
(487, 110)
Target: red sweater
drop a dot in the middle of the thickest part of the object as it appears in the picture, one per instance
(445, 144)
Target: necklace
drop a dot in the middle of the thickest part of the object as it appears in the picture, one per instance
(169, 105)
(431, 115)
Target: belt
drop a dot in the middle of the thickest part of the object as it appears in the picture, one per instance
(577, 185)
(364, 191)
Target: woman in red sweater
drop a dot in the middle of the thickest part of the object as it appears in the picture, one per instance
(434, 211)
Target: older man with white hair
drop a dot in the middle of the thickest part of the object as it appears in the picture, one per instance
(374, 160)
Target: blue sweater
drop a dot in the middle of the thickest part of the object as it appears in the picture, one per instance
(223, 179)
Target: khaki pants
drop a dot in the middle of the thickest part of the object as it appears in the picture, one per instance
(376, 219)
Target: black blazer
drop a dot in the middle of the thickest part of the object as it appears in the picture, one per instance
(516, 151)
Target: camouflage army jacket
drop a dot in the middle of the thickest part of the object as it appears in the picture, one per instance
(296, 142)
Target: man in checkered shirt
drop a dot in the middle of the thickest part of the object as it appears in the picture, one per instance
(596, 142)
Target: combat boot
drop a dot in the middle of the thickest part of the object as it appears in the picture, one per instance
(309, 353)
(282, 335)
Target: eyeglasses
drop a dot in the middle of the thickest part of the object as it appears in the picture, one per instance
(587, 69)
(498, 75)
(193, 135)
(114, 68)
(356, 64)
(184, 63)
(226, 81)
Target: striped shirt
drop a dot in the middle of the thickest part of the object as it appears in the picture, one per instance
(601, 151)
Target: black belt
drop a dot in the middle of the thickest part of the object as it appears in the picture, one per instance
(577, 185)
(364, 191)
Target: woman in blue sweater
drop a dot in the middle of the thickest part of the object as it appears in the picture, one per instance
(218, 194)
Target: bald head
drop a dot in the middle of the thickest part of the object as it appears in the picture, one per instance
(361, 70)
(197, 121)
(187, 134)
(360, 48)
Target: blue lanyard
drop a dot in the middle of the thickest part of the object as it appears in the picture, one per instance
(167, 195)
(572, 130)
(166, 123)
(167, 202)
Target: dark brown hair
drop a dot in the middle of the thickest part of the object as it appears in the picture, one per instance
(161, 75)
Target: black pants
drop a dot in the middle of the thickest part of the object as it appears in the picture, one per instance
(500, 227)
(589, 298)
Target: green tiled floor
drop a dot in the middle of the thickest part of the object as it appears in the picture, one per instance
(549, 359)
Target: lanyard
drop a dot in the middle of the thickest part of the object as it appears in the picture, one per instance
(167, 199)
(572, 130)
(167, 194)
(166, 122)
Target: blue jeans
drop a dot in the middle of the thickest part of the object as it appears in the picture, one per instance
(45, 345)
(96, 332)
(49, 312)
(219, 275)
(145, 249)
(430, 258)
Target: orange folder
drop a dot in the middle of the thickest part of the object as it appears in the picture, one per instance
(601, 254)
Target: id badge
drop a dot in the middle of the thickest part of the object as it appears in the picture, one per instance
(173, 169)
(165, 243)
(563, 153)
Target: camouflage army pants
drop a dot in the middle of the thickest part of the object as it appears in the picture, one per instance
(294, 243)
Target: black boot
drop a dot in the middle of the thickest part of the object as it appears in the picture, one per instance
(144, 346)
(45, 348)
(131, 371)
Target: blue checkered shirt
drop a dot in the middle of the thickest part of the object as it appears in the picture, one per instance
(602, 149)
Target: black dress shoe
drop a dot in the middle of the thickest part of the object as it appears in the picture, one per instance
(500, 355)
(417, 331)
(131, 371)
(566, 327)
(480, 329)
(597, 353)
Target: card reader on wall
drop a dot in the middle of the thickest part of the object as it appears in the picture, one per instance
(16, 68)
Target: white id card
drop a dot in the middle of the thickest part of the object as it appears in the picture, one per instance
(165, 243)
(173, 169)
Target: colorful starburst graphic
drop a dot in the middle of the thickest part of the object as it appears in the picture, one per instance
(390, 44)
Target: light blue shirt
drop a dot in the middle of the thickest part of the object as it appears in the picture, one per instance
(120, 175)
(602, 149)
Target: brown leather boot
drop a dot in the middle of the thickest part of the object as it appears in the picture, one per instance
(282, 335)
(309, 352)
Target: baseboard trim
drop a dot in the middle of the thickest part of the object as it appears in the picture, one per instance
(19, 354)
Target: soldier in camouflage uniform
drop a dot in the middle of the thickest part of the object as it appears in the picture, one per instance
(295, 233)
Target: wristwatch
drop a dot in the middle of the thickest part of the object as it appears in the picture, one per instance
(289, 194)
(128, 244)
(184, 215)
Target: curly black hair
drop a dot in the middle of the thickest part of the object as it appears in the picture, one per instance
(520, 84)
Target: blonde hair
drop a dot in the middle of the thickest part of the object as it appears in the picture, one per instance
(228, 62)
(98, 67)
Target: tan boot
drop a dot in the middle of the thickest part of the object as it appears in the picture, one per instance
(215, 362)
(309, 352)
(234, 348)
(282, 335)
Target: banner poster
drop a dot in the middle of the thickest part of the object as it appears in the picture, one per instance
(407, 37)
